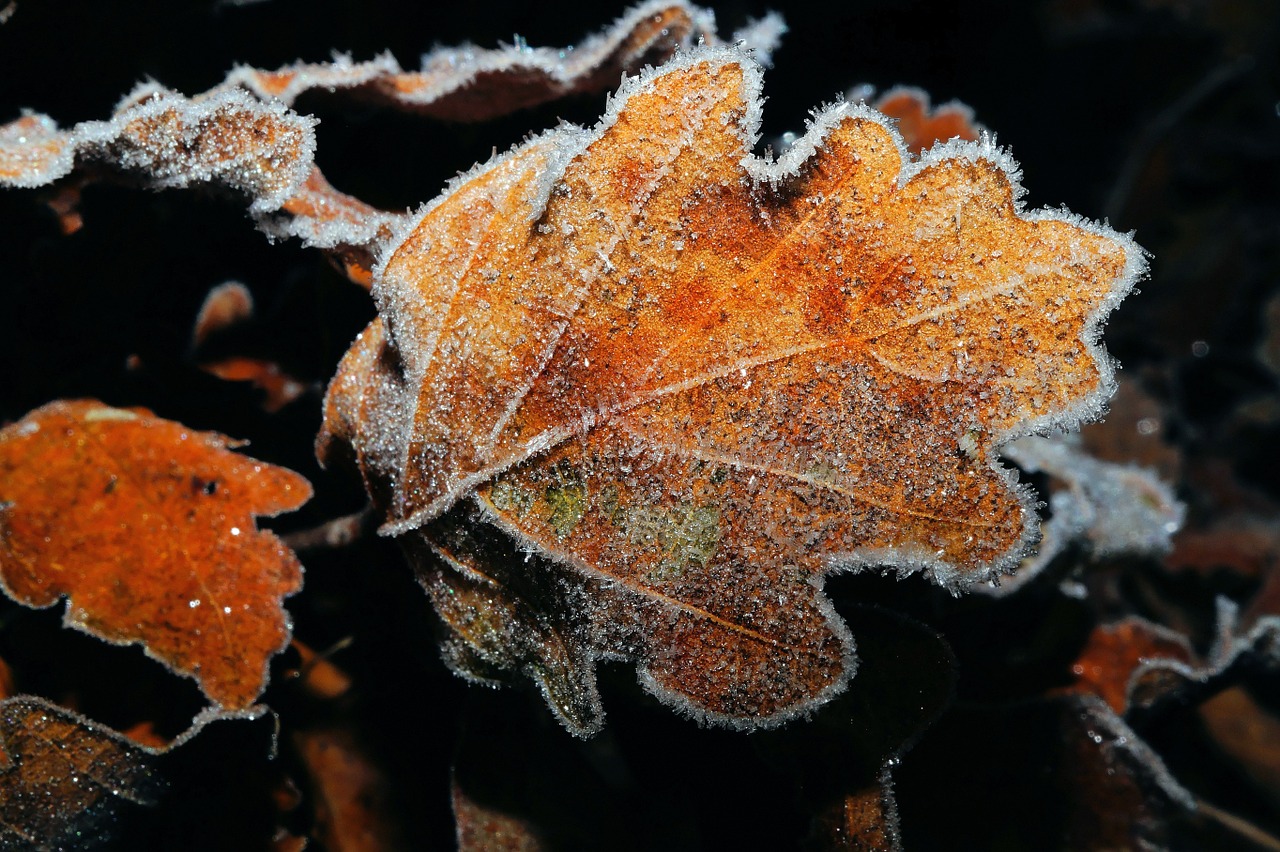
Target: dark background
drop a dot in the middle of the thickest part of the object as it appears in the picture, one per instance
(1160, 115)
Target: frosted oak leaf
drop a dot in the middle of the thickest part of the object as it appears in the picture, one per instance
(633, 392)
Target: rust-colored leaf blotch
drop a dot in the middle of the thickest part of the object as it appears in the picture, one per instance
(693, 382)
(147, 528)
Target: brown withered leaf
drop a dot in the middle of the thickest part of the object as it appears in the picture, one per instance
(146, 527)
(350, 793)
(1249, 733)
(1115, 790)
(633, 391)
(63, 779)
(860, 822)
(481, 828)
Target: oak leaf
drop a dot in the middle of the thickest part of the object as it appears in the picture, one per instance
(634, 392)
(147, 528)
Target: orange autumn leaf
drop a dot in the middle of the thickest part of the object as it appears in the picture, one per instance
(634, 392)
(146, 527)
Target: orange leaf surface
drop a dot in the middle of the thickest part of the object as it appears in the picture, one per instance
(633, 392)
(860, 822)
(147, 528)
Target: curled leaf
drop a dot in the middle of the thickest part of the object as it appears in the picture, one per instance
(224, 306)
(468, 83)
(162, 139)
(687, 383)
(146, 527)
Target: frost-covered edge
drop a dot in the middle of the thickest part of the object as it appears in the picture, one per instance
(94, 141)
(563, 67)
